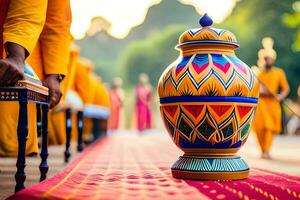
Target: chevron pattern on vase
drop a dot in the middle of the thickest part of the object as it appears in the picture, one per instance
(210, 75)
(208, 125)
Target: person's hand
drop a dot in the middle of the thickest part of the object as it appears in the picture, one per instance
(52, 82)
(280, 97)
(12, 68)
(264, 92)
(11, 71)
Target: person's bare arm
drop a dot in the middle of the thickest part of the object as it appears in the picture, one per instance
(282, 95)
(284, 86)
(23, 24)
(11, 68)
(56, 39)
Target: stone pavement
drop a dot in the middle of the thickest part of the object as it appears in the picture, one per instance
(8, 169)
(285, 153)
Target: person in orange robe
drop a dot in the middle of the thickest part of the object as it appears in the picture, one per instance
(56, 40)
(91, 91)
(57, 117)
(51, 55)
(116, 94)
(72, 97)
(21, 23)
(273, 89)
(82, 84)
(48, 59)
(102, 102)
(86, 90)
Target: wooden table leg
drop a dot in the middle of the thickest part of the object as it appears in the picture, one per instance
(22, 131)
(80, 130)
(68, 134)
(44, 152)
(38, 119)
(96, 129)
(103, 123)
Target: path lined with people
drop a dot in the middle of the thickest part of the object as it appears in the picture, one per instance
(37, 47)
(134, 166)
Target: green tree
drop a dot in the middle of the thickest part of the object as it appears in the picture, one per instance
(251, 20)
(151, 56)
(105, 50)
(293, 21)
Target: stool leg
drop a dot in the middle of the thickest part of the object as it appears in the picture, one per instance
(39, 119)
(96, 129)
(80, 130)
(44, 152)
(68, 134)
(103, 123)
(22, 131)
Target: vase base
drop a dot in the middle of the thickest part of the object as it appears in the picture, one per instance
(206, 168)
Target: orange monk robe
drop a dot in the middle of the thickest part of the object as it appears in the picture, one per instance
(23, 24)
(52, 52)
(85, 86)
(267, 121)
(57, 127)
(101, 97)
(116, 119)
(50, 56)
(69, 85)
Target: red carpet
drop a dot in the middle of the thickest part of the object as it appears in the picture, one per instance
(130, 167)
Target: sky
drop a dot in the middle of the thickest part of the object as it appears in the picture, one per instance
(123, 15)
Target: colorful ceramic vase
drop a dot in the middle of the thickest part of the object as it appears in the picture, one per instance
(208, 99)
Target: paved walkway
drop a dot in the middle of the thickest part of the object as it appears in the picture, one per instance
(285, 152)
(8, 169)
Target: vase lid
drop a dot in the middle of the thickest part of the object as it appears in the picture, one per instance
(207, 35)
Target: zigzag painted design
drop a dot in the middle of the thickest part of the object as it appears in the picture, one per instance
(217, 32)
(211, 73)
(195, 31)
(200, 62)
(228, 132)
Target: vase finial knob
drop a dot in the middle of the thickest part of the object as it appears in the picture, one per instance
(205, 20)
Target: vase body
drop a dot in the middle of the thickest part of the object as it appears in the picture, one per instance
(208, 98)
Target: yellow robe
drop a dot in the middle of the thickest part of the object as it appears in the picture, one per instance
(57, 129)
(267, 119)
(82, 84)
(23, 25)
(75, 51)
(86, 88)
(101, 97)
(54, 40)
(24, 22)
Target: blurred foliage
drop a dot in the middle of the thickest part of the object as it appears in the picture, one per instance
(292, 20)
(149, 47)
(251, 20)
(106, 51)
(151, 56)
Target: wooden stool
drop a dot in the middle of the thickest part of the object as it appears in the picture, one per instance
(99, 115)
(69, 125)
(27, 91)
(68, 109)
